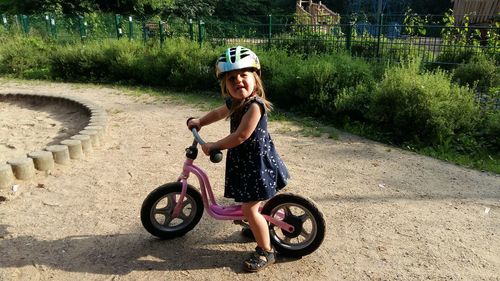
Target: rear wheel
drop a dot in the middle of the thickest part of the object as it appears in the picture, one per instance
(304, 216)
(157, 209)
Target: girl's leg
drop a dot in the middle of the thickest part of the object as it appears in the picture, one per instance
(264, 254)
(258, 224)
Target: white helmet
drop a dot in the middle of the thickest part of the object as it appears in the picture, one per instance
(236, 58)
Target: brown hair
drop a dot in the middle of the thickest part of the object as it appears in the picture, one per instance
(259, 90)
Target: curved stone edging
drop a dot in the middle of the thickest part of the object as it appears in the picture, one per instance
(73, 148)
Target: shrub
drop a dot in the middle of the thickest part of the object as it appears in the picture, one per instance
(489, 131)
(332, 75)
(354, 104)
(21, 56)
(281, 76)
(312, 84)
(180, 64)
(479, 72)
(423, 107)
(90, 62)
(192, 66)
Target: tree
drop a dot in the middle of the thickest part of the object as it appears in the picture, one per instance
(241, 11)
(85, 6)
(37, 6)
(192, 9)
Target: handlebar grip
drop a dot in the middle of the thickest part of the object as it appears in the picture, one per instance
(215, 156)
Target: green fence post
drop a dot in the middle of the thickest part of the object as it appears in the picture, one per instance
(201, 30)
(53, 28)
(47, 25)
(348, 35)
(379, 33)
(269, 34)
(191, 30)
(5, 22)
(83, 27)
(25, 24)
(118, 24)
(130, 29)
(15, 23)
(162, 33)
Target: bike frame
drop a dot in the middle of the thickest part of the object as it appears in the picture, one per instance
(219, 212)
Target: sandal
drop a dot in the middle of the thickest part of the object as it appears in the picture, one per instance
(259, 260)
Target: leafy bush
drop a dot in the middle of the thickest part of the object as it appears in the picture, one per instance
(90, 62)
(21, 55)
(180, 64)
(281, 77)
(479, 72)
(489, 130)
(354, 104)
(192, 66)
(451, 57)
(329, 76)
(422, 107)
(313, 84)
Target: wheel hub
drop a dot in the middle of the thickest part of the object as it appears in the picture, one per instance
(296, 222)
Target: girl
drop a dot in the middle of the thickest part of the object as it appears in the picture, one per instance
(254, 170)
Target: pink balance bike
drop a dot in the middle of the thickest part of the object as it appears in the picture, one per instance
(296, 225)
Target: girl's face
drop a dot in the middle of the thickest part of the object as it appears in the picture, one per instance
(240, 83)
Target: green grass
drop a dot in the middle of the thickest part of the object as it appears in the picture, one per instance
(481, 161)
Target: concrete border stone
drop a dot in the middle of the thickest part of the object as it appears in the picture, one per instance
(60, 153)
(85, 141)
(42, 159)
(75, 147)
(6, 176)
(22, 167)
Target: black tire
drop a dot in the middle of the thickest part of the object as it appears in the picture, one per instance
(158, 206)
(304, 215)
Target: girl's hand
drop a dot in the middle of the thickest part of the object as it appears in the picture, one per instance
(193, 123)
(207, 147)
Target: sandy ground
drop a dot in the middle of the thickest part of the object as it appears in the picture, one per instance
(391, 214)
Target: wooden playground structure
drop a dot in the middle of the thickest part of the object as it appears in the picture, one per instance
(479, 11)
(316, 15)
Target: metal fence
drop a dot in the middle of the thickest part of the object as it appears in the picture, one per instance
(388, 37)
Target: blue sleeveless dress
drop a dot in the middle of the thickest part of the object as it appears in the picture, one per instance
(254, 170)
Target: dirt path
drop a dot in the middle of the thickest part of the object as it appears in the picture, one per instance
(391, 214)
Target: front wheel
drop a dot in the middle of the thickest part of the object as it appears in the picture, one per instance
(157, 209)
(305, 217)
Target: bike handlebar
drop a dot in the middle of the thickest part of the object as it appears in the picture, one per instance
(215, 155)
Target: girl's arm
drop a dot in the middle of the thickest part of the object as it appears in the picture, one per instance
(211, 117)
(243, 132)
